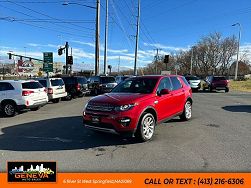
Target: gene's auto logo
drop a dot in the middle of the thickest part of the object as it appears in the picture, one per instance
(31, 171)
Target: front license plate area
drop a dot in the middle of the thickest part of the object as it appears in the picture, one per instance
(95, 119)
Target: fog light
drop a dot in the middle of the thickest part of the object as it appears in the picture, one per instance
(125, 122)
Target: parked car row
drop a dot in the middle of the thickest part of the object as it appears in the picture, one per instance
(17, 95)
(210, 83)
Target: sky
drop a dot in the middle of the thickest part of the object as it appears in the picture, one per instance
(31, 27)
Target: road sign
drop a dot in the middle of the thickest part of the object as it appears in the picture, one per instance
(48, 67)
(48, 62)
(48, 57)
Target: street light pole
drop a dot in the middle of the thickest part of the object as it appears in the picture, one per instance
(97, 38)
(97, 35)
(238, 49)
(106, 35)
(137, 40)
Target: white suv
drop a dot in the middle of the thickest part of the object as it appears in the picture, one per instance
(17, 95)
(55, 88)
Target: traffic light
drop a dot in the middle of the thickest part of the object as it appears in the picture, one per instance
(60, 51)
(166, 59)
(10, 55)
(70, 60)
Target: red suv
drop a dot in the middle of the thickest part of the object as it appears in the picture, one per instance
(136, 105)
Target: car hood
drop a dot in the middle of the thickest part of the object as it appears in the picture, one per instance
(120, 98)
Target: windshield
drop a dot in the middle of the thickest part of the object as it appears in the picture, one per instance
(142, 85)
(31, 85)
(105, 80)
(191, 78)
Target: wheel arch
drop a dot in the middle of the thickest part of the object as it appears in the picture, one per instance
(7, 101)
(190, 100)
(148, 109)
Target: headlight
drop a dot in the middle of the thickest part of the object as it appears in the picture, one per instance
(125, 107)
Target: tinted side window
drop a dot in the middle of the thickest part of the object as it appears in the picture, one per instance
(43, 82)
(105, 80)
(4, 86)
(176, 83)
(82, 80)
(57, 82)
(69, 80)
(165, 83)
(31, 85)
(94, 79)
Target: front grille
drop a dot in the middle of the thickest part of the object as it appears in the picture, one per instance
(100, 107)
(99, 125)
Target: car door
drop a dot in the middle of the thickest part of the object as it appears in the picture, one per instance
(164, 103)
(178, 94)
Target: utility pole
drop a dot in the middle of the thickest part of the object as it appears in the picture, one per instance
(191, 66)
(66, 57)
(118, 64)
(157, 59)
(106, 35)
(137, 40)
(97, 38)
(238, 50)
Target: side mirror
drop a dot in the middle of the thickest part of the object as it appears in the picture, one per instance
(164, 92)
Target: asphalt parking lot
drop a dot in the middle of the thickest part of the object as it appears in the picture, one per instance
(216, 139)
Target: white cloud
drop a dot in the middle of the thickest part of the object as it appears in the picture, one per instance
(84, 43)
(43, 45)
(171, 48)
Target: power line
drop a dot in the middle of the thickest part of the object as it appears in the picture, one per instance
(37, 12)
(9, 18)
(39, 26)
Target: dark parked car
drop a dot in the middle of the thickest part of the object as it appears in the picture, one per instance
(216, 83)
(75, 86)
(135, 106)
(121, 78)
(101, 84)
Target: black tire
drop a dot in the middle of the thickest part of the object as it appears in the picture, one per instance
(210, 89)
(145, 132)
(35, 109)
(187, 112)
(227, 90)
(55, 100)
(68, 97)
(9, 109)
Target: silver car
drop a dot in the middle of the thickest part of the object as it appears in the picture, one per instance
(195, 82)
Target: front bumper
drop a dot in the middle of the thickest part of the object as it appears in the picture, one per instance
(111, 122)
